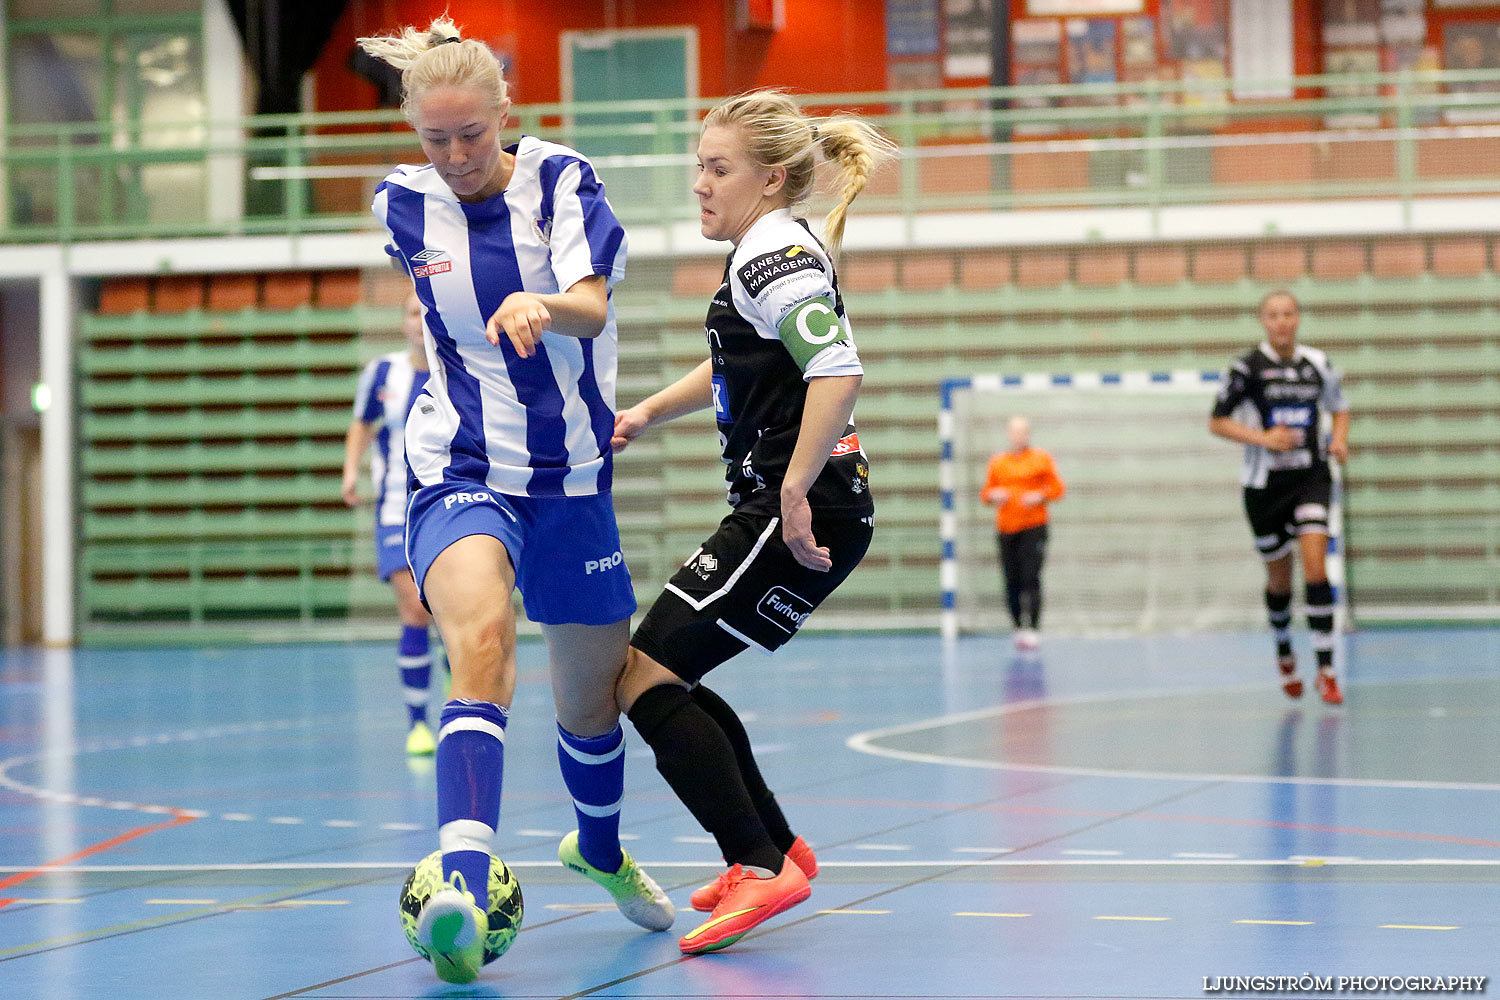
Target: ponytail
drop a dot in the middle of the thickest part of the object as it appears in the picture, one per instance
(439, 56)
(779, 134)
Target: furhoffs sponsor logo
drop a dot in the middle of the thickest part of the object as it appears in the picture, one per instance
(429, 262)
(767, 268)
(784, 609)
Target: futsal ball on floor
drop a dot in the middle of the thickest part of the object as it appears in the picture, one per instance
(504, 905)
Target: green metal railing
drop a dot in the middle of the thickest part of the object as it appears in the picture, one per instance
(1148, 145)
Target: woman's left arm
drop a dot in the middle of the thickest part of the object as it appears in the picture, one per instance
(1338, 445)
(830, 403)
(580, 312)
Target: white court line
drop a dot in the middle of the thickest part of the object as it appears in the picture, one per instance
(945, 863)
(865, 742)
(160, 739)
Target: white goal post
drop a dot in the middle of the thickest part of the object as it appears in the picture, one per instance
(1151, 536)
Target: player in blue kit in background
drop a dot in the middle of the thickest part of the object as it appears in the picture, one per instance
(513, 251)
(387, 388)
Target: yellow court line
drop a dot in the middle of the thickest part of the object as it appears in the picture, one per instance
(38, 901)
(181, 902)
(970, 913)
(1279, 923)
(1417, 927)
(165, 918)
(1152, 919)
(859, 913)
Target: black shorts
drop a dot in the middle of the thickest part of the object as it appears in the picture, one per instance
(1291, 504)
(743, 588)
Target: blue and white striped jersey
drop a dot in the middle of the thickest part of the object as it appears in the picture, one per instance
(537, 426)
(388, 387)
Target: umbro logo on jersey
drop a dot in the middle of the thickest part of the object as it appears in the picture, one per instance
(429, 262)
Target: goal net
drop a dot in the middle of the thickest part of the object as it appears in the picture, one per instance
(1151, 535)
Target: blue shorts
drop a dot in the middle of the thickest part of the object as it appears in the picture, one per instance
(390, 550)
(565, 550)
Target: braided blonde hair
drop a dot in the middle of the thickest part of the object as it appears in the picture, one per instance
(778, 133)
(439, 56)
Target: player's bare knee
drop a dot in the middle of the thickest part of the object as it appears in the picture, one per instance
(640, 675)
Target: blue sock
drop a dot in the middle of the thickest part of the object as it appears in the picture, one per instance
(416, 671)
(593, 768)
(470, 761)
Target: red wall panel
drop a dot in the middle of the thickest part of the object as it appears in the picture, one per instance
(826, 45)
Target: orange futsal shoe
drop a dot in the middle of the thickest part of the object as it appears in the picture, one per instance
(1290, 682)
(748, 901)
(1328, 688)
(707, 897)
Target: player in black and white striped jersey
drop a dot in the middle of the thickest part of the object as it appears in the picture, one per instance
(1273, 402)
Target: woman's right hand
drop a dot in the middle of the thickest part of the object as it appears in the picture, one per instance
(522, 319)
(1282, 438)
(628, 426)
(351, 488)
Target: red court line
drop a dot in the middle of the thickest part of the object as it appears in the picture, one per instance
(178, 819)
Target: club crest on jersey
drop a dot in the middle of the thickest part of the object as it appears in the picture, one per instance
(430, 262)
(543, 229)
(770, 267)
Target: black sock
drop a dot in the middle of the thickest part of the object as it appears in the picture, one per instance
(696, 758)
(1279, 614)
(1320, 620)
(765, 803)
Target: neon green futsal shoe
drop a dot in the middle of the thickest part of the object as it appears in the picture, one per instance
(639, 898)
(419, 741)
(451, 930)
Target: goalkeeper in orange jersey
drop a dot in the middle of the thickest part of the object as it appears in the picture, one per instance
(1020, 483)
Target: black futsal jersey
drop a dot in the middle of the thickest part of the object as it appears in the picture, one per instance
(776, 323)
(1261, 390)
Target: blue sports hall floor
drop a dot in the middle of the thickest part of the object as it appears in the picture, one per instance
(1108, 818)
